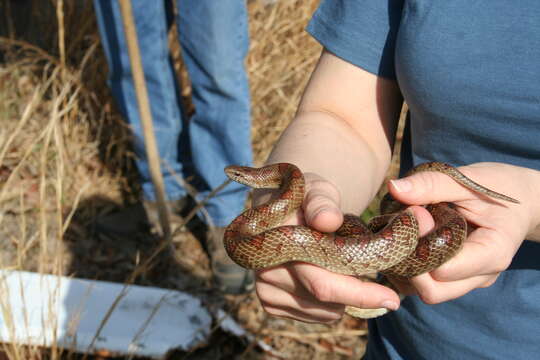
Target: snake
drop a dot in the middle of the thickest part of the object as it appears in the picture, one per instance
(388, 244)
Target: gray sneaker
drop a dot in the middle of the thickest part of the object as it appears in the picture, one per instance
(229, 277)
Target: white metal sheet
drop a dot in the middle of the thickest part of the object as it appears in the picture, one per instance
(38, 309)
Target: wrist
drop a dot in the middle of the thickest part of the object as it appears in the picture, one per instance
(534, 189)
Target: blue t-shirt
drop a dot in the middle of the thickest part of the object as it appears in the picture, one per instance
(470, 73)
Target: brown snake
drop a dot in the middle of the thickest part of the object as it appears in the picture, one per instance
(389, 243)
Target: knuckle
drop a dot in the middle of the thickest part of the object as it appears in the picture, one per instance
(498, 246)
(271, 310)
(274, 276)
(501, 264)
(440, 272)
(322, 291)
(264, 293)
(316, 201)
(319, 184)
(427, 181)
(322, 191)
(268, 305)
(443, 273)
(430, 297)
(332, 317)
(361, 300)
(264, 276)
(489, 283)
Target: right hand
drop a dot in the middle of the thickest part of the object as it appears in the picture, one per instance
(306, 292)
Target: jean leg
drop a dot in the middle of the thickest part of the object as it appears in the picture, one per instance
(214, 39)
(151, 24)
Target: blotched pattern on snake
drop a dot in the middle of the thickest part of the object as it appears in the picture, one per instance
(389, 243)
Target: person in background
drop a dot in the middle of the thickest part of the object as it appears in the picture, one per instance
(469, 73)
(214, 41)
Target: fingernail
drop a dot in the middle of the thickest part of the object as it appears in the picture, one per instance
(390, 305)
(402, 185)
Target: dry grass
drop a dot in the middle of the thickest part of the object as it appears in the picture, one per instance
(282, 57)
(65, 158)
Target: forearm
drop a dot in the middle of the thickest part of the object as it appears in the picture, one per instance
(343, 130)
(320, 143)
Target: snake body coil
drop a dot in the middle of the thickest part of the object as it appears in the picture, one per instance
(388, 243)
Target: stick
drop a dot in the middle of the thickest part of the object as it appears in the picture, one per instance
(146, 116)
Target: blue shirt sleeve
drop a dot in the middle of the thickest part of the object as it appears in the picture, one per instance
(361, 32)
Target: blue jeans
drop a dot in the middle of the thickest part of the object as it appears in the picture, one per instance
(214, 41)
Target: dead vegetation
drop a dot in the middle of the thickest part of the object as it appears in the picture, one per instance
(65, 158)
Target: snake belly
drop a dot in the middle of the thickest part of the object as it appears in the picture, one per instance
(388, 243)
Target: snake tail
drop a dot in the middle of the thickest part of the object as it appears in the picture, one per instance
(460, 178)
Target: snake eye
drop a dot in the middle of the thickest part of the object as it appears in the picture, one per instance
(233, 173)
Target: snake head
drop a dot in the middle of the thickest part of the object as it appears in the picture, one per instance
(266, 177)
(238, 173)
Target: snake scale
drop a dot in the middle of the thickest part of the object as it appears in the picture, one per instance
(388, 244)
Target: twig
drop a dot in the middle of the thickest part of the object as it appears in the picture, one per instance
(316, 335)
(146, 116)
(199, 205)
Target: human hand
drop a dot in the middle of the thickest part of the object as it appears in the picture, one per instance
(498, 227)
(309, 293)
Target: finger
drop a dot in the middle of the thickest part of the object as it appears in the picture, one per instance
(432, 291)
(426, 223)
(282, 303)
(484, 252)
(428, 187)
(326, 286)
(321, 205)
(283, 277)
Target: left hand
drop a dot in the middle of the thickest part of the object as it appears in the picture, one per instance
(499, 227)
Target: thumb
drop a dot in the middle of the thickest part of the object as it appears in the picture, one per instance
(427, 187)
(321, 204)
